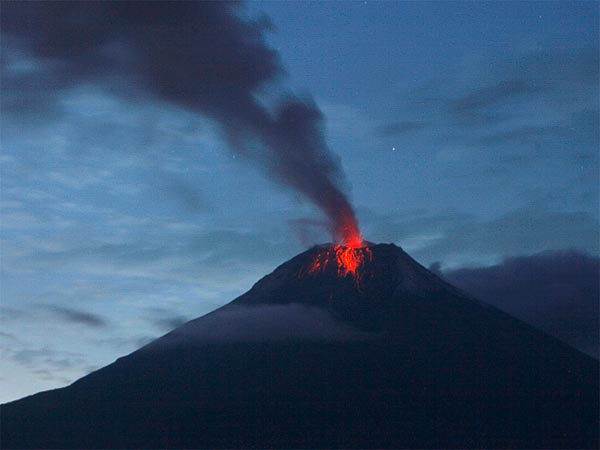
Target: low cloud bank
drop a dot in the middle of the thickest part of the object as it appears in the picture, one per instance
(557, 292)
(264, 323)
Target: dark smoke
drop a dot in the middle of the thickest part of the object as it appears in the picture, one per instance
(199, 55)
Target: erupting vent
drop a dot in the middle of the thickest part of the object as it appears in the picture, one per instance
(344, 260)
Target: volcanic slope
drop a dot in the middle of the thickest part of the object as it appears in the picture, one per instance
(314, 357)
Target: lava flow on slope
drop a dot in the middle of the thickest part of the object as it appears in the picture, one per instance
(348, 259)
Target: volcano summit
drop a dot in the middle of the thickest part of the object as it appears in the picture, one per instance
(339, 347)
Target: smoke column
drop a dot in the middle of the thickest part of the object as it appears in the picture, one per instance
(199, 55)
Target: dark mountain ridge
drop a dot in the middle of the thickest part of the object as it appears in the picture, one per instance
(394, 357)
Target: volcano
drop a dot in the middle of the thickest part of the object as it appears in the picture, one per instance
(366, 349)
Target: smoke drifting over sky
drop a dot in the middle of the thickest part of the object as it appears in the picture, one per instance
(199, 55)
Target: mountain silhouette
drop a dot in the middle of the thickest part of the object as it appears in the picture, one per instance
(313, 356)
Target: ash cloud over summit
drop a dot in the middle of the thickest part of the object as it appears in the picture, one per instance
(202, 56)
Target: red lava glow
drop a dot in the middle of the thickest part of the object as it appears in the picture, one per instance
(347, 260)
(348, 233)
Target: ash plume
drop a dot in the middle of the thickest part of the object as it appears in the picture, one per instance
(199, 55)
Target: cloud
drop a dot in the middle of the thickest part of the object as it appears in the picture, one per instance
(9, 337)
(398, 128)
(554, 67)
(530, 78)
(170, 322)
(528, 229)
(157, 250)
(459, 238)
(492, 95)
(48, 359)
(580, 127)
(187, 197)
(262, 322)
(557, 292)
(516, 91)
(8, 313)
(78, 317)
(25, 82)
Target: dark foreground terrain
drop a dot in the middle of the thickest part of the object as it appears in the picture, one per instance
(312, 360)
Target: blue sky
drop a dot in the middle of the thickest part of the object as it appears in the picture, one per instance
(468, 133)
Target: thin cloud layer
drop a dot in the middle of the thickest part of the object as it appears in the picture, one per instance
(262, 323)
(537, 97)
(79, 317)
(460, 239)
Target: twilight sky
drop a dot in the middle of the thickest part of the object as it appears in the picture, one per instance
(139, 189)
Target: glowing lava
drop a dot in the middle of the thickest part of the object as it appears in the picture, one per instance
(346, 260)
(348, 257)
(348, 232)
